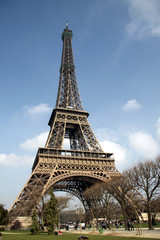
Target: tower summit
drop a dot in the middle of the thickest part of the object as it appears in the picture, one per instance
(71, 170)
(66, 24)
(77, 130)
(68, 93)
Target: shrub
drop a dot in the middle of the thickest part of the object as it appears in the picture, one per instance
(17, 225)
(2, 228)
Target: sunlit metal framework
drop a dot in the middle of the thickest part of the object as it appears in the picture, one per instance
(73, 170)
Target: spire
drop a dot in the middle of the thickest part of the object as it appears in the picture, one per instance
(67, 25)
(68, 94)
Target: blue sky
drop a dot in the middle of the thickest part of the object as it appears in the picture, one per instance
(117, 57)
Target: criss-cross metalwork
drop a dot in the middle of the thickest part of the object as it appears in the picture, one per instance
(68, 93)
(72, 170)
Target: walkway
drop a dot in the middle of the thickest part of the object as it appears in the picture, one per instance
(121, 232)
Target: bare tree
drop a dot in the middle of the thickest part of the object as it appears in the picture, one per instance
(109, 205)
(101, 195)
(101, 202)
(145, 177)
(119, 187)
(62, 203)
(93, 196)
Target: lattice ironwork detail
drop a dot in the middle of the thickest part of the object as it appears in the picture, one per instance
(68, 93)
(57, 135)
(73, 126)
(71, 170)
(91, 139)
(29, 196)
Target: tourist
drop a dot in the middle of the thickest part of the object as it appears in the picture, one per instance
(132, 226)
(128, 225)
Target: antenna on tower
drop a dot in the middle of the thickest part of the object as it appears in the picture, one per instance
(66, 24)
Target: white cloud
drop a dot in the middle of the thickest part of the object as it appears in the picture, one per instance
(109, 143)
(158, 127)
(15, 160)
(131, 105)
(35, 143)
(144, 144)
(39, 109)
(145, 18)
(120, 152)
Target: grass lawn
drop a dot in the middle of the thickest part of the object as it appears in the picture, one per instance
(65, 236)
(145, 225)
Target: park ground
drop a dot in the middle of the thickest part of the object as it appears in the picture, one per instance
(116, 234)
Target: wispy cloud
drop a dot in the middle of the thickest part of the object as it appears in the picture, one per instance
(131, 105)
(103, 134)
(144, 18)
(144, 144)
(39, 109)
(97, 9)
(34, 143)
(15, 160)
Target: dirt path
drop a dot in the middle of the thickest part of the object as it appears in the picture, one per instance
(154, 234)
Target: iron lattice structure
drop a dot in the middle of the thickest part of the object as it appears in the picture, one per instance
(73, 170)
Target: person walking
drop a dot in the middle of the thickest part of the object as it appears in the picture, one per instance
(128, 225)
(132, 226)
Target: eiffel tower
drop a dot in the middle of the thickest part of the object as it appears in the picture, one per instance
(72, 170)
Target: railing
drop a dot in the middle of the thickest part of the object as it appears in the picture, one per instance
(74, 153)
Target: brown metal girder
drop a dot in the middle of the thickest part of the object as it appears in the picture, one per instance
(68, 158)
(77, 189)
(66, 111)
(33, 183)
(68, 174)
(76, 194)
(79, 178)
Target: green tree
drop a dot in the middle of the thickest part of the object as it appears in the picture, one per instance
(3, 215)
(50, 213)
(35, 224)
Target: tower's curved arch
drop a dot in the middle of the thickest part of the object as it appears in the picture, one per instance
(76, 185)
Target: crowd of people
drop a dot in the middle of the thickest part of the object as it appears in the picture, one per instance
(101, 224)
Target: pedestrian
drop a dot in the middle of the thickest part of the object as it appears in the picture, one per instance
(128, 225)
(116, 224)
(132, 226)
